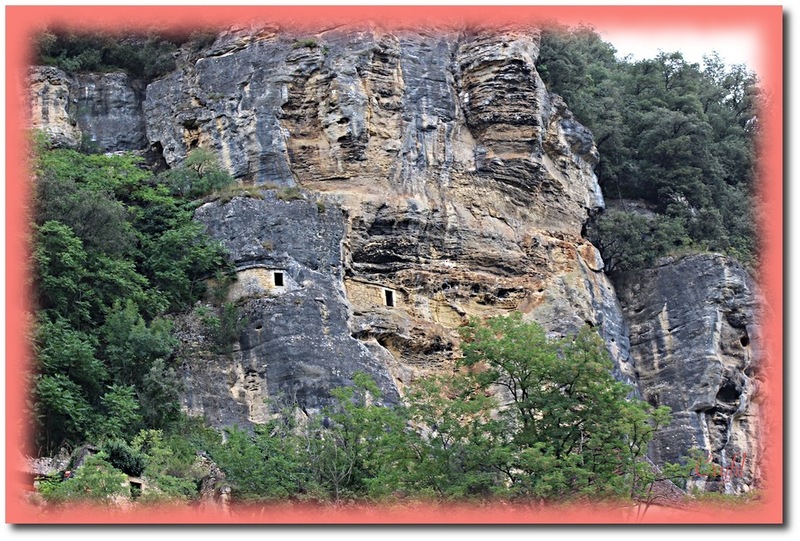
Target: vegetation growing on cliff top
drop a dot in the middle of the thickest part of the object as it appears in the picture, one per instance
(680, 137)
(144, 55)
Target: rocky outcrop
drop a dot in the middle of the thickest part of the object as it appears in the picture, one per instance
(398, 183)
(99, 111)
(109, 111)
(215, 492)
(695, 345)
(51, 107)
(296, 345)
(454, 185)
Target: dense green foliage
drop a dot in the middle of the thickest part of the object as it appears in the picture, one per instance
(223, 325)
(627, 240)
(569, 431)
(96, 482)
(125, 458)
(114, 251)
(145, 55)
(680, 137)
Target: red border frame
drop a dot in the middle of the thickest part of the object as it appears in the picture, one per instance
(765, 21)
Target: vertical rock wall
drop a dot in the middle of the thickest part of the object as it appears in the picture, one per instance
(695, 346)
(461, 184)
(440, 180)
(102, 111)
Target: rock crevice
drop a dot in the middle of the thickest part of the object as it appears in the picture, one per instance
(438, 180)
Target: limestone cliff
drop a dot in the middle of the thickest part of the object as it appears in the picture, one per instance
(410, 180)
(101, 110)
(695, 346)
(453, 185)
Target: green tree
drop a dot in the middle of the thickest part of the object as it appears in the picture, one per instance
(571, 423)
(267, 465)
(350, 444)
(179, 260)
(125, 458)
(61, 412)
(96, 482)
(669, 132)
(60, 272)
(130, 345)
(159, 395)
(632, 241)
(200, 174)
(454, 453)
(171, 470)
(119, 414)
(100, 221)
(63, 350)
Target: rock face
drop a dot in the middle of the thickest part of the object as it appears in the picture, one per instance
(455, 185)
(296, 345)
(695, 346)
(103, 111)
(401, 182)
(51, 105)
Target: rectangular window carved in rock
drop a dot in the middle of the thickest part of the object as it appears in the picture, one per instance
(389, 295)
(278, 279)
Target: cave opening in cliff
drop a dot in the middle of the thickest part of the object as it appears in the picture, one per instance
(277, 278)
(745, 341)
(389, 294)
(729, 393)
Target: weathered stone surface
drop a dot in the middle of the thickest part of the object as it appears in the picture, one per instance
(109, 111)
(460, 184)
(441, 181)
(695, 345)
(215, 492)
(101, 110)
(296, 345)
(51, 108)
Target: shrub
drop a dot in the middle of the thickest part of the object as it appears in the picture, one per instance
(311, 43)
(125, 458)
(631, 241)
(96, 481)
(289, 194)
(145, 55)
(224, 327)
(199, 175)
(226, 194)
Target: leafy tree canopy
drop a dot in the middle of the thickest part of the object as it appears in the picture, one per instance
(115, 249)
(676, 135)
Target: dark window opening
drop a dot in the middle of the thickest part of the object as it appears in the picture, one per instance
(745, 341)
(278, 276)
(389, 297)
